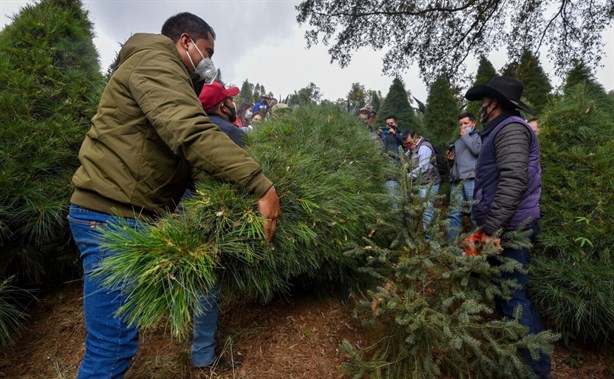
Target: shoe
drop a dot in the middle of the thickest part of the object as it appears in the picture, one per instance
(225, 362)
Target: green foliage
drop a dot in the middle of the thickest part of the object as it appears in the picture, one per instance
(486, 71)
(441, 114)
(433, 309)
(530, 73)
(307, 96)
(357, 97)
(331, 189)
(246, 95)
(49, 63)
(577, 143)
(576, 296)
(396, 103)
(12, 313)
(440, 37)
(375, 99)
(581, 74)
(573, 279)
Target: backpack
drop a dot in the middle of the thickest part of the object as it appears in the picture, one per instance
(440, 162)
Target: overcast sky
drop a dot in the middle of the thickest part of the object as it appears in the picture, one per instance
(261, 41)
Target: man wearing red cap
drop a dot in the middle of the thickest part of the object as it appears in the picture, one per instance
(217, 103)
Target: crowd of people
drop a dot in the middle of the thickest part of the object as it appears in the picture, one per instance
(155, 131)
(495, 176)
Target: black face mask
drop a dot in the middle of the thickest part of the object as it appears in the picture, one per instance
(232, 117)
(483, 113)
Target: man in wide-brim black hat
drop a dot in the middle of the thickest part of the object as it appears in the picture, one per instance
(507, 191)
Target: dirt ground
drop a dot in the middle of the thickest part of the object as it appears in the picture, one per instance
(292, 338)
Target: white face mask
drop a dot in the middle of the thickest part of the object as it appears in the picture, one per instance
(206, 69)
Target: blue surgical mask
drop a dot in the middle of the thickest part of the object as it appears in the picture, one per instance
(205, 69)
(248, 114)
(468, 129)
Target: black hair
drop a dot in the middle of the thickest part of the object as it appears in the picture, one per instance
(470, 115)
(189, 23)
(392, 117)
(408, 133)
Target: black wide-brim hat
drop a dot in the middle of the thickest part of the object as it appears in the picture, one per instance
(501, 88)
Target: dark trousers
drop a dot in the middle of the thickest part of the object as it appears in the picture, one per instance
(529, 315)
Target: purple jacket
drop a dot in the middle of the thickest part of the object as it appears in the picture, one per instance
(507, 182)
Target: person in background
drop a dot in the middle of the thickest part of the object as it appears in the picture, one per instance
(371, 120)
(244, 113)
(363, 115)
(534, 125)
(421, 154)
(257, 118)
(151, 133)
(507, 193)
(219, 106)
(464, 155)
(391, 141)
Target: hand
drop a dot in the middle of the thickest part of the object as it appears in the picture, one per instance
(496, 241)
(268, 206)
(451, 155)
(392, 131)
(463, 131)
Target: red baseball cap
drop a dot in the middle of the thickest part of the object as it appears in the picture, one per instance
(212, 94)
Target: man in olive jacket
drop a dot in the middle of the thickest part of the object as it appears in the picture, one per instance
(149, 134)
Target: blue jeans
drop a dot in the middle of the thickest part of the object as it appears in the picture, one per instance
(205, 326)
(428, 192)
(461, 199)
(529, 315)
(111, 343)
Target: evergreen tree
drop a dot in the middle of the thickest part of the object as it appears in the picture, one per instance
(257, 93)
(486, 71)
(218, 77)
(329, 173)
(573, 278)
(309, 95)
(51, 81)
(433, 309)
(397, 104)
(536, 84)
(441, 114)
(357, 97)
(375, 99)
(247, 93)
(581, 74)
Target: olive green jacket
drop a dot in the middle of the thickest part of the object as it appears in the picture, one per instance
(149, 133)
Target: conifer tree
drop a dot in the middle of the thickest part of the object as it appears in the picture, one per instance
(573, 278)
(486, 71)
(328, 172)
(247, 93)
(396, 103)
(375, 100)
(530, 73)
(357, 97)
(49, 62)
(432, 309)
(441, 113)
(218, 77)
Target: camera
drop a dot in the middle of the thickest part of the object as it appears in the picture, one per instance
(450, 146)
(385, 130)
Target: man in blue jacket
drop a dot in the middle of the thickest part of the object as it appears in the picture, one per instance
(463, 155)
(507, 192)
